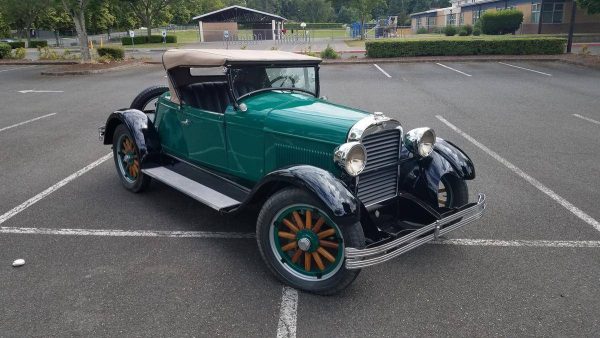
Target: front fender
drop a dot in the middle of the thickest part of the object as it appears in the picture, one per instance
(141, 129)
(341, 204)
(421, 176)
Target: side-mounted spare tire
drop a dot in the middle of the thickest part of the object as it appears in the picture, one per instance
(147, 99)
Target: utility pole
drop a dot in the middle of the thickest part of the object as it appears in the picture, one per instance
(571, 27)
(540, 17)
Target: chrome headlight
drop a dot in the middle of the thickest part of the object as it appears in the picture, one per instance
(352, 157)
(420, 141)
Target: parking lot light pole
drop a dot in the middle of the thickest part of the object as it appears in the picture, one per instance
(571, 27)
(540, 17)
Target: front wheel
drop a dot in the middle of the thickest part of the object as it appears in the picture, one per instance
(127, 160)
(302, 245)
(452, 192)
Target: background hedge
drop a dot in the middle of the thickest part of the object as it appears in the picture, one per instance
(501, 22)
(116, 53)
(139, 40)
(4, 50)
(468, 46)
(17, 44)
(38, 43)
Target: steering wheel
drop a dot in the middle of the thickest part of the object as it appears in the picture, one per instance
(283, 79)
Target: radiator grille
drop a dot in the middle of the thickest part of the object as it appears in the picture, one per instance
(379, 180)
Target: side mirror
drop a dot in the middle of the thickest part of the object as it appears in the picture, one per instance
(324, 98)
(242, 107)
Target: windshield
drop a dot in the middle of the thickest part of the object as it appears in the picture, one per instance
(250, 79)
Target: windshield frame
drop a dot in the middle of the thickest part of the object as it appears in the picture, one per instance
(236, 98)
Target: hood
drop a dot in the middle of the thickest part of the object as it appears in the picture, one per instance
(306, 116)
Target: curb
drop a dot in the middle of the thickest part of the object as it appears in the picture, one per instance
(92, 71)
(443, 59)
(36, 63)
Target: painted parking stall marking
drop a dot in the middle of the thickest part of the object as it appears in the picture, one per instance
(456, 70)
(288, 313)
(523, 68)
(519, 243)
(557, 198)
(28, 91)
(16, 210)
(381, 70)
(581, 117)
(25, 122)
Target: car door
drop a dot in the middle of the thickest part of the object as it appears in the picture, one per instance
(170, 131)
(204, 133)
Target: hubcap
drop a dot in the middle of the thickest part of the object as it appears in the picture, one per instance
(306, 242)
(127, 158)
(443, 198)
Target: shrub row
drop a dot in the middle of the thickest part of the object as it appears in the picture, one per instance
(462, 46)
(4, 50)
(17, 44)
(38, 43)
(115, 53)
(139, 40)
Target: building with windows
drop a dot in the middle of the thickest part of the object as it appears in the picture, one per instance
(555, 15)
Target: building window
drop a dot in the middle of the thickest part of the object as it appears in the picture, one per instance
(451, 19)
(418, 23)
(462, 18)
(475, 17)
(552, 12)
(431, 21)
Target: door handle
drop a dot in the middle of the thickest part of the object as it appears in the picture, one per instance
(185, 122)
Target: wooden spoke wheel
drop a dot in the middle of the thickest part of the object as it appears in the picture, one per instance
(129, 163)
(452, 192)
(307, 242)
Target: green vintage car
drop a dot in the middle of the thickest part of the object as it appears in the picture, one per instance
(336, 189)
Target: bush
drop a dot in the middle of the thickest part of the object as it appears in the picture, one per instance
(38, 43)
(465, 46)
(19, 53)
(139, 40)
(468, 28)
(17, 44)
(476, 31)
(450, 30)
(422, 30)
(4, 50)
(329, 53)
(501, 22)
(462, 32)
(116, 53)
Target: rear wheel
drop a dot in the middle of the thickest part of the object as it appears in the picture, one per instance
(452, 192)
(127, 160)
(146, 100)
(302, 245)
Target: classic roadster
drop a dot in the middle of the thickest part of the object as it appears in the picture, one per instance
(337, 189)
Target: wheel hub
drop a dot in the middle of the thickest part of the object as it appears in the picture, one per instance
(304, 244)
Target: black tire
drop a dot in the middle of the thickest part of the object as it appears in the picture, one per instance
(456, 190)
(351, 236)
(147, 96)
(136, 183)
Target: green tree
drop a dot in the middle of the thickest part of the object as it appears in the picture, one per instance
(55, 19)
(151, 13)
(100, 16)
(4, 27)
(592, 6)
(315, 11)
(346, 15)
(76, 10)
(21, 14)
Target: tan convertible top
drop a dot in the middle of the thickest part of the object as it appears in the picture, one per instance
(220, 57)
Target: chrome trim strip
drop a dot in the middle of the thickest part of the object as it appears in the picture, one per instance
(355, 257)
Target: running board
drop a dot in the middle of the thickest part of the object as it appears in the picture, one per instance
(195, 190)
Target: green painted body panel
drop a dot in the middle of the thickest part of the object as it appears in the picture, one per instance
(277, 130)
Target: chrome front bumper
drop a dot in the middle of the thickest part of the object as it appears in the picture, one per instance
(360, 258)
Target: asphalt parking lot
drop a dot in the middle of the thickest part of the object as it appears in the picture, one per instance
(101, 261)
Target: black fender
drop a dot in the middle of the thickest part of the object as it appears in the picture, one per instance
(421, 176)
(342, 206)
(141, 129)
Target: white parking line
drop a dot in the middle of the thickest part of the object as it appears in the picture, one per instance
(126, 233)
(581, 117)
(381, 70)
(8, 70)
(525, 243)
(566, 204)
(531, 70)
(16, 210)
(288, 313)
(456, 70)
(25, 122)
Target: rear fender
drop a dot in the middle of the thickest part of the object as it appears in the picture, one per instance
(141, 129)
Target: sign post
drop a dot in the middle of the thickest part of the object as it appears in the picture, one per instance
(226, 38)
(164, 35)
(132, 35)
